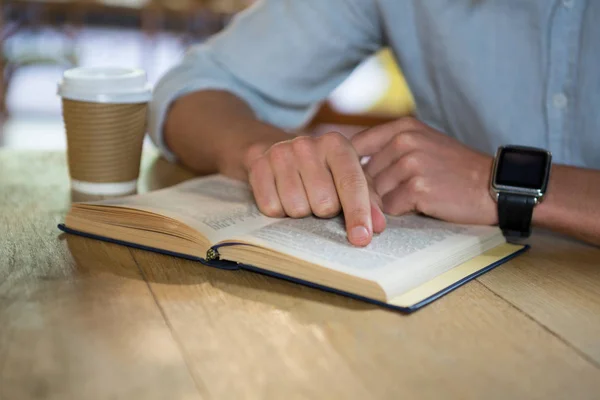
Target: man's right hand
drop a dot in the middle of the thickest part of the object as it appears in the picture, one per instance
(315, 175)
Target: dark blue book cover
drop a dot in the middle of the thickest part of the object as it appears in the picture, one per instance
(406, 303)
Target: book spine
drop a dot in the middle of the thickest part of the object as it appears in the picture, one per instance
(213, 258)
(213, 253)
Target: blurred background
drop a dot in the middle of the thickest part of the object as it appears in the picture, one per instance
(40, 39)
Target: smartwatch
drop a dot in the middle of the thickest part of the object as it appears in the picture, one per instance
(519, 182)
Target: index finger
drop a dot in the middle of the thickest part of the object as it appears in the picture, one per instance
(353, 192)
(372, 140)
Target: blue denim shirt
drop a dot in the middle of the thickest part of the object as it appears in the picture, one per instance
(488, 72)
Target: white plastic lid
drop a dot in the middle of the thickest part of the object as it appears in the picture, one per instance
(105, 85)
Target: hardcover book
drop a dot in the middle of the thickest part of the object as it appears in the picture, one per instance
(215, 221)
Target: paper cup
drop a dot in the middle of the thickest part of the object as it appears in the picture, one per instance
(105, 114)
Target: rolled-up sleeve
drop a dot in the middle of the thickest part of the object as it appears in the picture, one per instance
(282, 57)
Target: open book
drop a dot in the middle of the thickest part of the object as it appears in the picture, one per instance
(215, 220)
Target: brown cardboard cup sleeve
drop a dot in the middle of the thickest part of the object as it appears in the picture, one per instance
(105, 113)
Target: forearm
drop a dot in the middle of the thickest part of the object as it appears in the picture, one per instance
(572, 205)
(212, 131)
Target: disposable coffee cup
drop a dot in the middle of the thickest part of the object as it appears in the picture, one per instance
(105, 114)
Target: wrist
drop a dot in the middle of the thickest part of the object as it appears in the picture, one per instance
(549, 210)
(489, 204)
(571, 205)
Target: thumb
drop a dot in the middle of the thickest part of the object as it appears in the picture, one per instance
(378, 218)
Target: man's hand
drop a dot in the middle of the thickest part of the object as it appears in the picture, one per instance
(320, 176)
(416, 168)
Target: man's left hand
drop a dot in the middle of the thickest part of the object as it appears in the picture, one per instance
(415, 168)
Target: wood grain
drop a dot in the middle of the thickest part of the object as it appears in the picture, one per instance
(76, 321)
(558, 284)
(84, 319)
(272, 338)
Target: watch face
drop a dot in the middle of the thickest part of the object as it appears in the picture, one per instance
(522, 168)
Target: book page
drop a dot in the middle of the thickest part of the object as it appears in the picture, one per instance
(216, 206)
(414, 239)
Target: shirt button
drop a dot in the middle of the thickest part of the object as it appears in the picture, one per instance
(559, 100)
(568, 3)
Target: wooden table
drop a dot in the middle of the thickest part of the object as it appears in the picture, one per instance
(81, 319)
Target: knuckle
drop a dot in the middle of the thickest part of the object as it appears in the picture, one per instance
(351, 181)
(418, 186)
(271, 209)
(405, 141)
(359, 213)
(298, 210)
(333, 139)
(326, 208)
(303, 146)
(279, 153)
(410, 162)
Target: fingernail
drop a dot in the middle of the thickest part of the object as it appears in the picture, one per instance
(359, 234)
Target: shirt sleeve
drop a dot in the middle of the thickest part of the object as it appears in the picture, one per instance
(282, 57)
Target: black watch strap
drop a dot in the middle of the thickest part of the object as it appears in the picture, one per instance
(514, 214)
